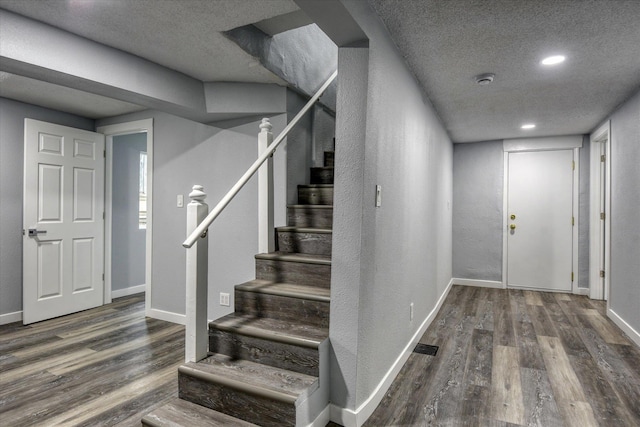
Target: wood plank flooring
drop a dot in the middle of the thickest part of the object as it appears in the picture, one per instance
(518, 358)
(107, 366)
(506, 358)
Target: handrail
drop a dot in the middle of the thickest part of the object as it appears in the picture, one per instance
(204, 225)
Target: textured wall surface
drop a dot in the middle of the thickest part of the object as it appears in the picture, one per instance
(625, 212)
(12, 115)
(477, 210)
(187, 153)
(405, 245)
(128, 240)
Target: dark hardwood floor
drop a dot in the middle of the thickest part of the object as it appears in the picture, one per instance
(505, 358)
(107, 366)
(518, 358)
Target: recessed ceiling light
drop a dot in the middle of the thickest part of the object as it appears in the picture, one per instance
(528, 126)
(553, 60)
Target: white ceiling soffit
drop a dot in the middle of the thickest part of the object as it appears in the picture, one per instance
(62, 98)
(181, 35)
(447, 43)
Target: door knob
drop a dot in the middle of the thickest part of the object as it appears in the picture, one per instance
(34, 232)
(512, 226)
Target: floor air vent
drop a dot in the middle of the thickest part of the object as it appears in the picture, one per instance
(429, 350)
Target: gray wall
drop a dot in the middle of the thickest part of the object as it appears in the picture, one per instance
(478, 181)
(187, 153)
(477, 210)
(128, 240)
(298, 147)
(324, 130)
(625, 212)
(404, 246)
(12, 115)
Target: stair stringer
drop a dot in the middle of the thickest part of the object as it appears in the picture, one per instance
(314, 411)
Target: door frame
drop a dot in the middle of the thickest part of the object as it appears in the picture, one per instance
(599, 289)
(109, 131)
(573, 142)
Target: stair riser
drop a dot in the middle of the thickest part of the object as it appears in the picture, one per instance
(321, 176)
(329, 158)
(315, 196)
(280, 355)
(304, 243)
(294, 272)
(309, 217)
(309, 312)
(239, 404)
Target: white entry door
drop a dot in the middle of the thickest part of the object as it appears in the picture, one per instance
(63, 241)
(540, 220)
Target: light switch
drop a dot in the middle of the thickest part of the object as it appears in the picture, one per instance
(180, 200)
(378, 196)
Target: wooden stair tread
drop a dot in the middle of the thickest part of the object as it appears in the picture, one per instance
(292, 290)
(251, 377)
(272, 329)
(293, 257)
(315, 186)
(178, 413)
(292, 229)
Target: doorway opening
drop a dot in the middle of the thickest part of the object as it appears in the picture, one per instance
(129, 209)
(600, 207)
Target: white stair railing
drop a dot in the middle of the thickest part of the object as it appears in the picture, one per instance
(199, 219)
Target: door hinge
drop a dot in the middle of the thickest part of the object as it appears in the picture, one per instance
(573, 220)
(603, 158)
(103, 215)
(601, 273)
(103, 277)
(572, 276)
(104, 154)
(573, 165)
(602, 215)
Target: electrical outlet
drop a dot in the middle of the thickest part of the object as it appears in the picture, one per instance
(224, 299)
(411, 311)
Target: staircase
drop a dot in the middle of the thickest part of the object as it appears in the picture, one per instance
(268, 361)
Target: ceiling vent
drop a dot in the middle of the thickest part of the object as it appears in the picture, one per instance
(484, 79)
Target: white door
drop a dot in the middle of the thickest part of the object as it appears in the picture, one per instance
(63, 243)
(540, 218)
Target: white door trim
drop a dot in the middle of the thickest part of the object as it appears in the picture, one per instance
(573, 142)
(599, 289)
(110, 131)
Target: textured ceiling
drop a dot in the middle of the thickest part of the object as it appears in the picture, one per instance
(447, 43)
(182, 35)
(62, 98)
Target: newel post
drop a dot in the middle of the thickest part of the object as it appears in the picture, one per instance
(196, 343)
(266, 241)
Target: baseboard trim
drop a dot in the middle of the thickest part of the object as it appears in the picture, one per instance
(581, 291)
(128, 291)
(16, 316)
(632, 333)
(478, 283)
(167, 316)
(350, 418)
(323, 418)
